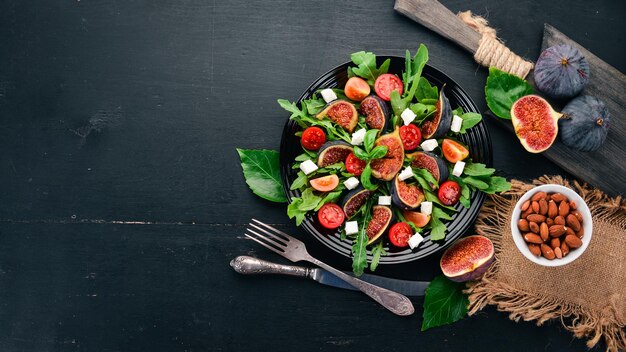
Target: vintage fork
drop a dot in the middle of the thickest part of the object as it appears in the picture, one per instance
(295, 250)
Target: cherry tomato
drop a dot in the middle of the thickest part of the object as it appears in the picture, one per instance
(449, 193)
(313, 138)
(356, 89)
(453, 151)
(355, 165)
(411, 136)
(331, 216)
(325, 183)
(400, 233)
(387, 83)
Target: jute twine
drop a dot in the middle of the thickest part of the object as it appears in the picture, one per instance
(491, 51)
(587, 295)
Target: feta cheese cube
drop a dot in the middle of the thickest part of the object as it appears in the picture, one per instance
(406, 173)
(328, 95)
(458, 168)
(358, 137)
(352, 227)
(407, 116)
(351, 183)
(426, 208)
(384, 200)
(429, 145)
(308, 166)
(457, 122)
(415, 240)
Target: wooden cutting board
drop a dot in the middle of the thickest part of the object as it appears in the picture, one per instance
(604, 168)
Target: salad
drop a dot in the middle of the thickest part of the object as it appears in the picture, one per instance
(381, 161)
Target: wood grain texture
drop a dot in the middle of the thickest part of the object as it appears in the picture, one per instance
(119, 239)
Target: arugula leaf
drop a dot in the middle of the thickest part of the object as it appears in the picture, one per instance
(476, 183)
(470, 119)
(366, 66)
(413, 68)
(359, 246)
(304, 121)
(502, 90)
(497, 184)
(397, 104)
(425, 178)
(465, 193)
(444, 303)
(261, 169)
(425, 90)
(432, 197)
(330, 197)
(293, 211)
(377, 252)
(313, 106)
(437, 229)
(291, 107)
(477, 169)
(300, 181)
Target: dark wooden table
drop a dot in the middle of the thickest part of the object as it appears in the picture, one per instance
(122, 199)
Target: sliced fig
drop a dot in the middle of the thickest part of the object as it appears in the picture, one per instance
(388, 166)
(354, 200)
(431, 162)
(418, 219)
(406, 196)
(467, 259)
(535, 123)
(376, 112)
(340, 112)
(333, 152)
(381, 218)
(439, 124)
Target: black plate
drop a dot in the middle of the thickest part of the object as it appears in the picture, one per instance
(477, 139)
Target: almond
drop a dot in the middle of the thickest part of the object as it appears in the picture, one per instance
(543, 207)
(558, 197)
(573, 242)
(555, 243)
(580, 233)
(559, 220)
(573, 222)
(535, 206)
(549, 221)
(569, 231)
(532, 238)
(553, 210)
(572, 205)
(564, 248)
(534, 249)
(538, 195)
(556, 230)
(558, 253)
(525, 205)
(563, 209)
(544, 232)
(533, 227)
(578, 215)
(527, 212)
(522, 225)
(547, 252)
(536, 218)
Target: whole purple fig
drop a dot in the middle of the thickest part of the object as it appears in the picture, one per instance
(561, 71)
(585, 123)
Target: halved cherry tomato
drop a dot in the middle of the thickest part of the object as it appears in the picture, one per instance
(313, 138)
(453, 151)
(356, 89)
(331, 216)
(355, 165)
(449, 193)
(325, 183)
(411, 136)
(418, 219)
(387, 83)
(400, 233)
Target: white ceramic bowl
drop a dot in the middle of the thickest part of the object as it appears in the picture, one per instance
(580, 206)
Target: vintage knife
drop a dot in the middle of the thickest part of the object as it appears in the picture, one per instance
(249, 265)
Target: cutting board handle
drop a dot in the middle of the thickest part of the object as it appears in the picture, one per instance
(470, 32)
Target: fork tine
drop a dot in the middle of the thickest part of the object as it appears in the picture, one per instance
(265, 245)
(288, 237)
(266, 239)
(278, 238)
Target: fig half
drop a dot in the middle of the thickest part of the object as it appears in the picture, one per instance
(376, 111)
(381, 218)
(354, 200)
(431, 162)
(388, 166)
(467, 259)
(438, 125)
(340, 112)
(406, 196)
(535, 123)
(333, 152)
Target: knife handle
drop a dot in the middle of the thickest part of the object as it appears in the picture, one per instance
(249, 265)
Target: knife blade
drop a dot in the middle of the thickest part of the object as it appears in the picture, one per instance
(249, 265)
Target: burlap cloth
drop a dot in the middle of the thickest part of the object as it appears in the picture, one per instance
(587, 295)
